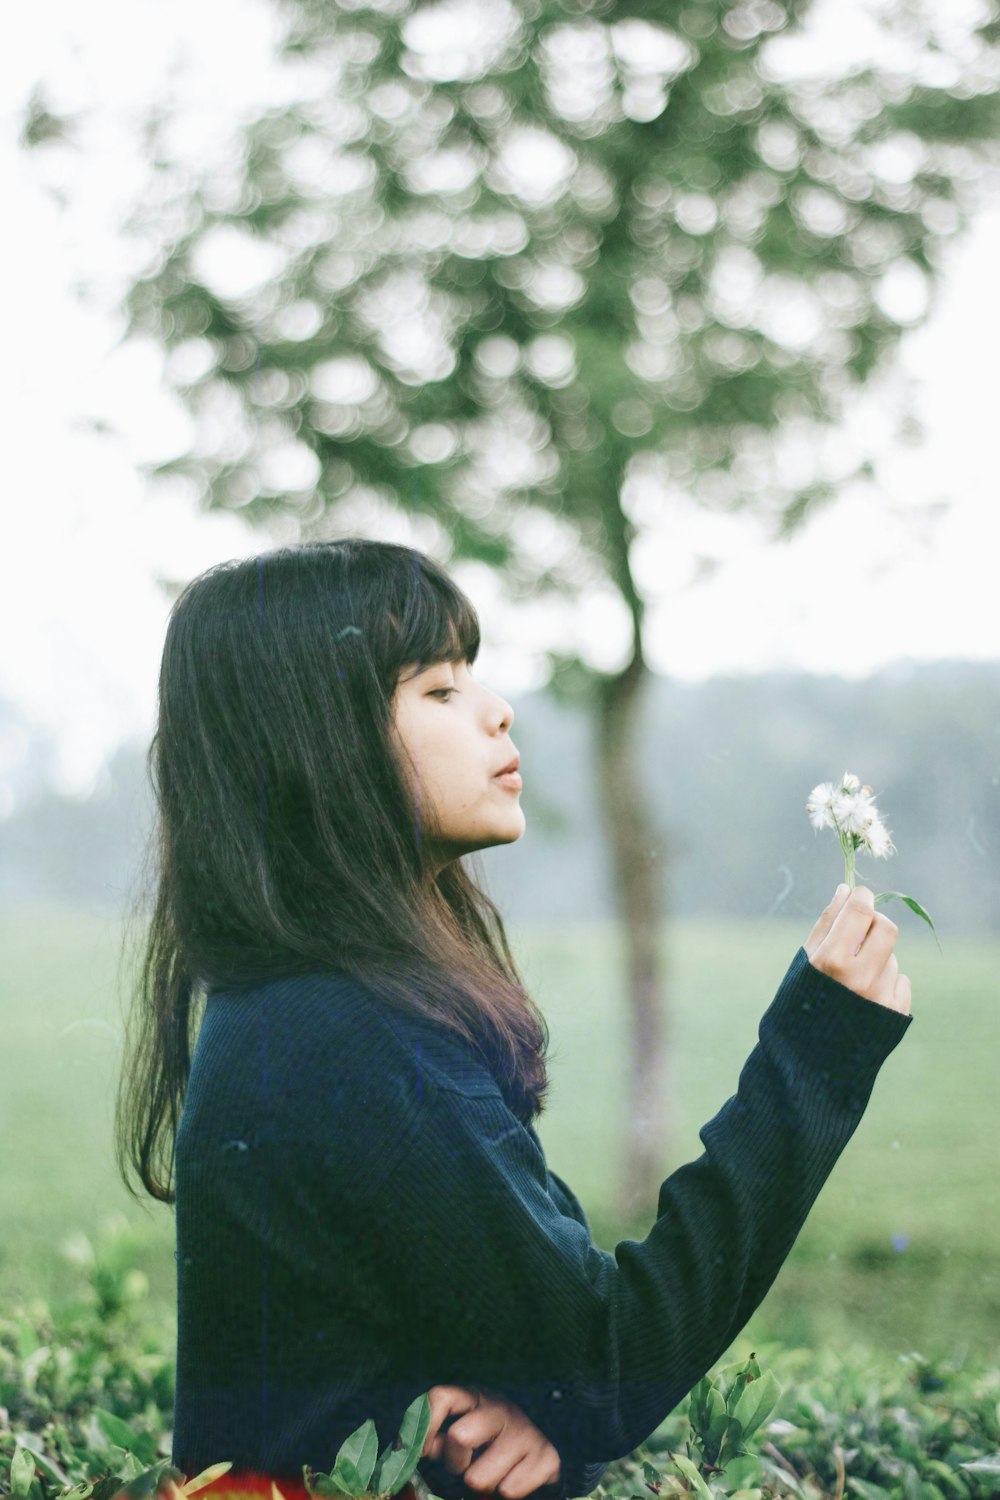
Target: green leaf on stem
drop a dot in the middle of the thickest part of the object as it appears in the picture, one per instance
(756, 1403)
(698, 1411)
(990, 1464)
(912, 904)
(22, 1472)
(397, 1465)
(745, 1374)
(206, 1476)
(690, 1471)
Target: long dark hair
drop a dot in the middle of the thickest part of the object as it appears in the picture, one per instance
(288, 839)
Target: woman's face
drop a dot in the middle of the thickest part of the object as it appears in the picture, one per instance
(457, 734)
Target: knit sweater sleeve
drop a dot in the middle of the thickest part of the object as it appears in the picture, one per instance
(563, 1195)
(501, 1288)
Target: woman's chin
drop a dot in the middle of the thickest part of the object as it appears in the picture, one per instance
(513, 828)
(520, 824)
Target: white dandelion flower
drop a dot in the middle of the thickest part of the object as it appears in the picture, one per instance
(818, 806)
(849, 809)
(879, 841)
(854, 813)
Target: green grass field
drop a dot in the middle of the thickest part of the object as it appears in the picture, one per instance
(922, 1164)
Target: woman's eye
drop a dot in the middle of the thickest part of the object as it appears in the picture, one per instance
(438, 691)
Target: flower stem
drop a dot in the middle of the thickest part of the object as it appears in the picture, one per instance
(847, 844)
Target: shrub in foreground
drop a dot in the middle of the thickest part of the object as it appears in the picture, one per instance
(86, 1403)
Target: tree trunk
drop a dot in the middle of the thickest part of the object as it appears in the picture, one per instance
(636, 862)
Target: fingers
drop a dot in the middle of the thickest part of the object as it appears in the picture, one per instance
(875, 963)
(480, 1426)
(854, 918)
(490, 1470)
(847, 933)
(505, 1439)
(455, 1456)
(483, 1420)
(493, 1444)
(902, 995)
(514, 1471)
(490, 1473)
(825, 921)
(446, 1401)
(858, 951)
(892, 988)
(524, 1478)
(462, 1447)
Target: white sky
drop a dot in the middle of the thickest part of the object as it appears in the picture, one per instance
(879, 576)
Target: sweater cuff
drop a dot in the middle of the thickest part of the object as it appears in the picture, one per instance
(579, 1480)
(827, 1023)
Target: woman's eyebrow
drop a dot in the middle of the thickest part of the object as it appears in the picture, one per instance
(422, 669)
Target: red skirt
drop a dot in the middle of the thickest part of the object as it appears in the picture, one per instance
(253, 1484)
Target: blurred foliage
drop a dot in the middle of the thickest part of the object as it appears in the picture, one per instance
(366, 295)
(41, 125)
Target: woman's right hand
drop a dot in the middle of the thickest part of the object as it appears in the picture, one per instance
(517, 1458)
(853, 943)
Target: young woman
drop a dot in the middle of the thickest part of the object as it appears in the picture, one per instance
(332, 1049)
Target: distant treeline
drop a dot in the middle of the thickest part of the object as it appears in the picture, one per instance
(727, 765)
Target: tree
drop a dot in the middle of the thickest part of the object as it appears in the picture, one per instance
(530, 280)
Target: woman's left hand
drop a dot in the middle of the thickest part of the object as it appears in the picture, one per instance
(518, 1458)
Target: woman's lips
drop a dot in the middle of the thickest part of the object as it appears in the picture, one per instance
(511, 779)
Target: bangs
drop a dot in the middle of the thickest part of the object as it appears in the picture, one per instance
(438, 624)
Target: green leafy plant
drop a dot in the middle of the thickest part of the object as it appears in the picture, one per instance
(86, 1400)
(135, 1473)
(725, 1412)
(356, 1472)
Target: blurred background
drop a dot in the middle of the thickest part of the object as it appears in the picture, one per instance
(673, 337)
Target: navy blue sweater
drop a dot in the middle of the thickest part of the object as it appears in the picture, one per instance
(360, 1216)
